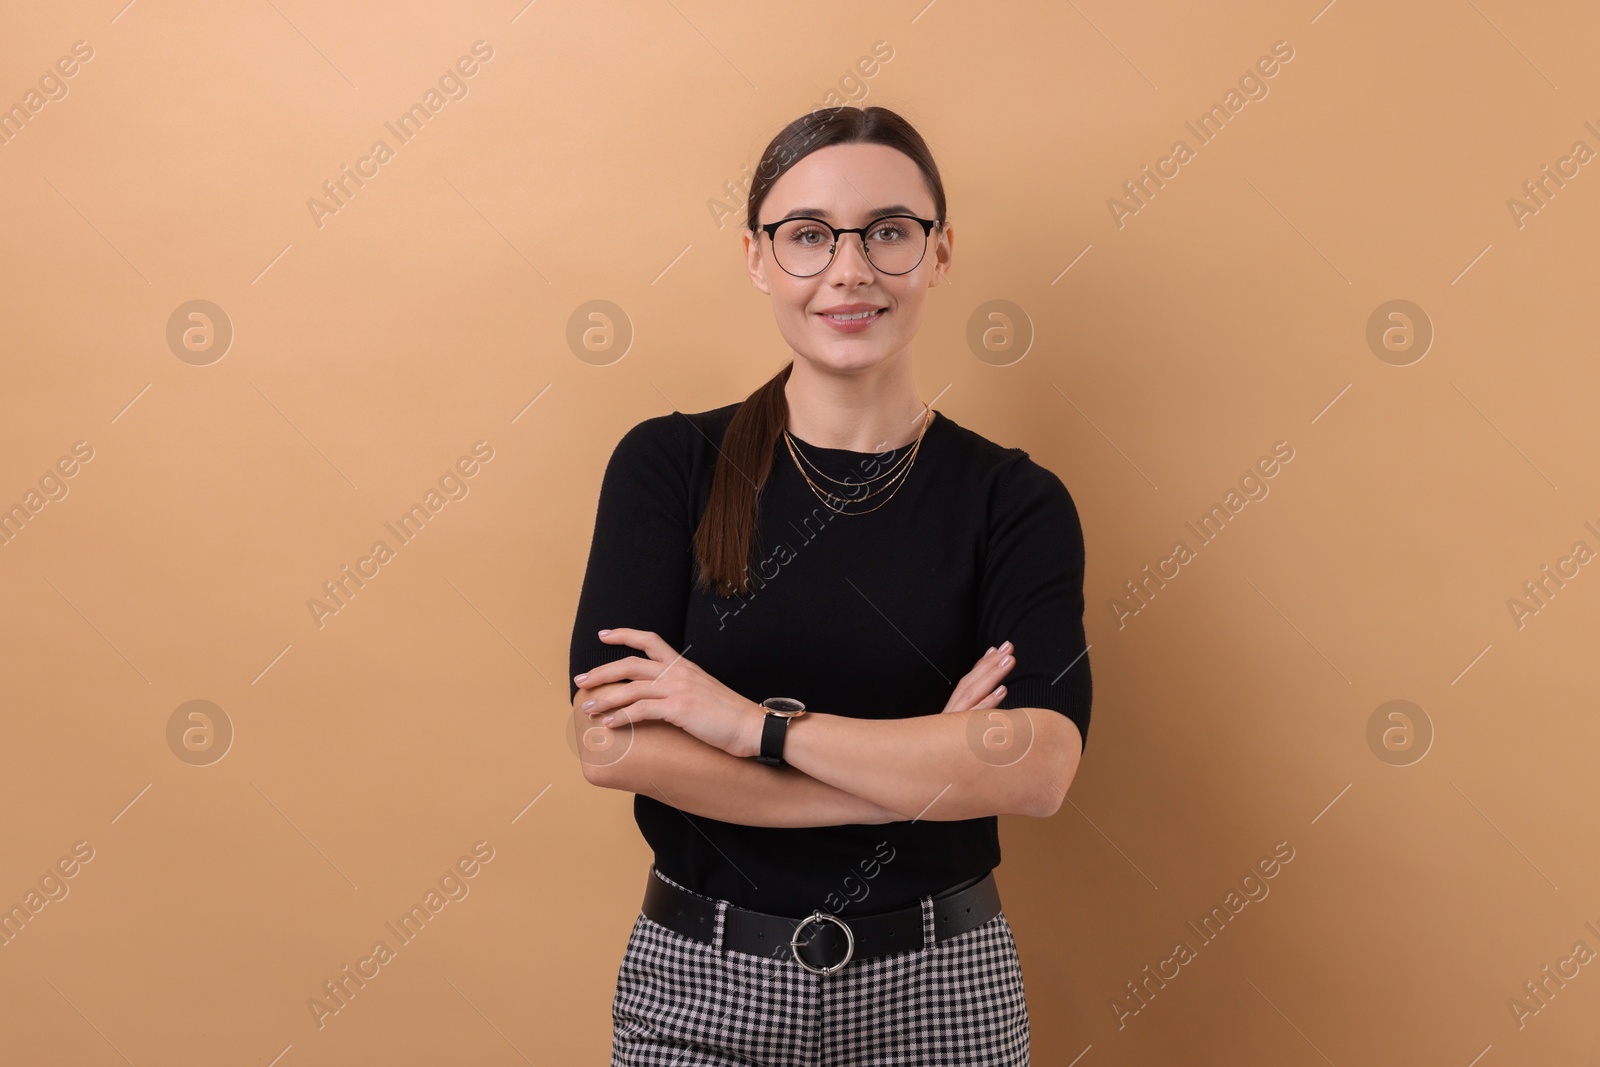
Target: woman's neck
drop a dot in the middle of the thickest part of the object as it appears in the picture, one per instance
(860, 413)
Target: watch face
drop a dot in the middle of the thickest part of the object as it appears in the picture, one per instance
(787, 707)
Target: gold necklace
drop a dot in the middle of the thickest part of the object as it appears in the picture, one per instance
(897, 478)
(889, 472)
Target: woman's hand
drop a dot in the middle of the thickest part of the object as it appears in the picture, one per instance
(667, 687)
(979, 689)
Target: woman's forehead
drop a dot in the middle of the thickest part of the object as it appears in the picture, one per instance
(850, 181)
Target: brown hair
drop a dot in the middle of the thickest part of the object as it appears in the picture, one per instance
(723, 540)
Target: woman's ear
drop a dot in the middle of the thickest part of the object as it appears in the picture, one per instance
(943, 254)
(755, 262)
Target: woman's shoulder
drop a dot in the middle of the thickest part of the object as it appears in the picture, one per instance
(677, 448)
(990, 460)
(1010, 479)
(708, 426)
(973, 446)
(677, 433)
(676, 428)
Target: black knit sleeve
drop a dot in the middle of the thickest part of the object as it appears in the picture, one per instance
(638, 572)
(1031, 592)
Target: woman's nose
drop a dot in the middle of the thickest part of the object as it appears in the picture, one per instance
(854, 252)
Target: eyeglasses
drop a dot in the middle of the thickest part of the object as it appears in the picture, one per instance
(894, 244)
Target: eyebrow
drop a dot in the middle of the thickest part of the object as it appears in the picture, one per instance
(822, 213)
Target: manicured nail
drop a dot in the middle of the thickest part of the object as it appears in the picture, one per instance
(581, 677)
(990, 652)
(1006, 647)
(604, 632)
(607, 719)
(1006, 662)
(587, 704)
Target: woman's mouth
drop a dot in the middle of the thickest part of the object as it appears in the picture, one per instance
(854, 321)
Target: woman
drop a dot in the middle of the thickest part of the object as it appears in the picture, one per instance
(780, 596)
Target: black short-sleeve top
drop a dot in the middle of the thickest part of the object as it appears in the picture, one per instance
(875, 615)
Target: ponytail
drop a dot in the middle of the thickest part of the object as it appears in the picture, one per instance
(722, 542)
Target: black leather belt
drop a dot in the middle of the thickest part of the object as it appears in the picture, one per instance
(822, 942)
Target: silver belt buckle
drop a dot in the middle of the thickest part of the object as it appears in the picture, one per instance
(819, 916)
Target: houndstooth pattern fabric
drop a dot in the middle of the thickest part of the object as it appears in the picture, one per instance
(684, 1003)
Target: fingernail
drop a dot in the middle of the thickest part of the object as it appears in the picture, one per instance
(1006, 647)
(607, 719)
(1006, 662)
(604, 632)
(581, 677)
(990, 652)
(587, 704)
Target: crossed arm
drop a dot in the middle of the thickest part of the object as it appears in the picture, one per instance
(848, 770)
(677, 768)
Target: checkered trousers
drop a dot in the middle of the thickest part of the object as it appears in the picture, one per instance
(685, 1003)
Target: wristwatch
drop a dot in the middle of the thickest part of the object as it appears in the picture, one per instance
(776, 727)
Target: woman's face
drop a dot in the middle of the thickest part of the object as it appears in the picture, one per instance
(849, 185)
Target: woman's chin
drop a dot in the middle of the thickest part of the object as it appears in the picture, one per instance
(848, 357)
(848, 363)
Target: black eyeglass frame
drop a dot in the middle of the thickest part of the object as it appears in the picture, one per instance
(771, 230)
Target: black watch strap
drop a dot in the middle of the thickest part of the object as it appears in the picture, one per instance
(773, 731)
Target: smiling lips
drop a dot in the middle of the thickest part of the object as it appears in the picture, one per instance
(852, 317)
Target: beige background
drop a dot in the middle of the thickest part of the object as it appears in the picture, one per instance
(1163, 358)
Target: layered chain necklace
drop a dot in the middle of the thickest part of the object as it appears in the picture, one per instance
(892, 478)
